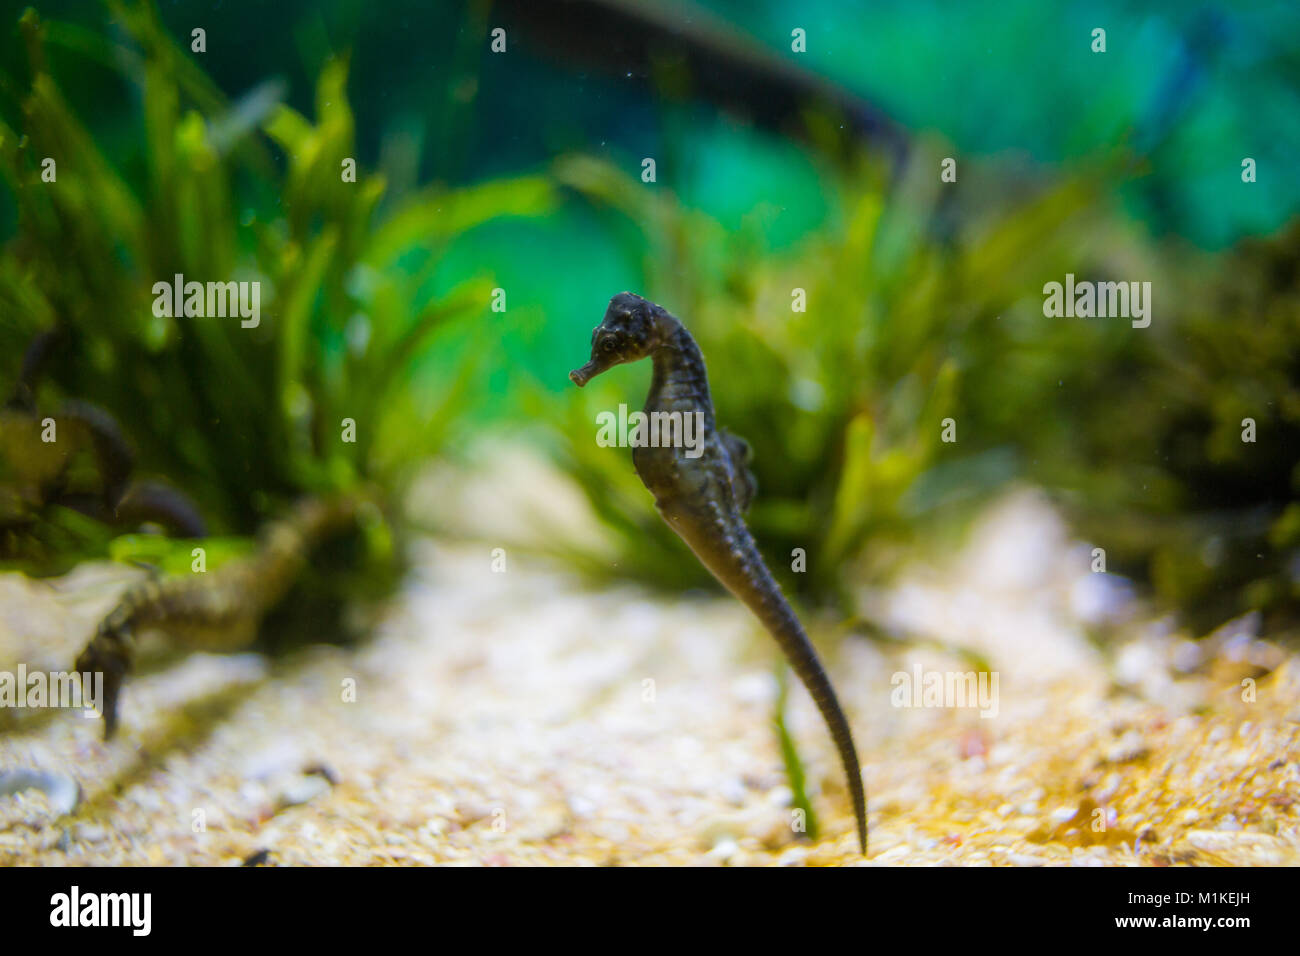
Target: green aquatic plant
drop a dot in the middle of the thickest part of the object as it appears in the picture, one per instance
(924, 318)
(839, 360)
(326, 386)
(1182, 459)
(793, 763)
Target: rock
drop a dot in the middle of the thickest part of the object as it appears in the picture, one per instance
(63, 791)
(300, 790)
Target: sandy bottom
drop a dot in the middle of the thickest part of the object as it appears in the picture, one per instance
(517, 718)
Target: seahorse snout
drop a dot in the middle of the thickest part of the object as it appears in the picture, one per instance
(581, 376)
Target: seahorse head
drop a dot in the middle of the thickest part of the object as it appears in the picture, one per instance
(628, 332)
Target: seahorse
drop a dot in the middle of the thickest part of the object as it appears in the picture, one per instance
(703, 493)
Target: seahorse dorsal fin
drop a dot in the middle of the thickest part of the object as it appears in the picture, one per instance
(743, 483)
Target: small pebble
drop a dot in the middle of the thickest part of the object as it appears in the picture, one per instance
(1129, 747)
(300, 791)
(63, 791)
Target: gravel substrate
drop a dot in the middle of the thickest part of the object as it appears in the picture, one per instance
(515, 718)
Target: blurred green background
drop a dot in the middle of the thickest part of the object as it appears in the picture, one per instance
(775, 170)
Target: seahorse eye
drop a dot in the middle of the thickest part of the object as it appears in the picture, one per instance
(608, 344)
